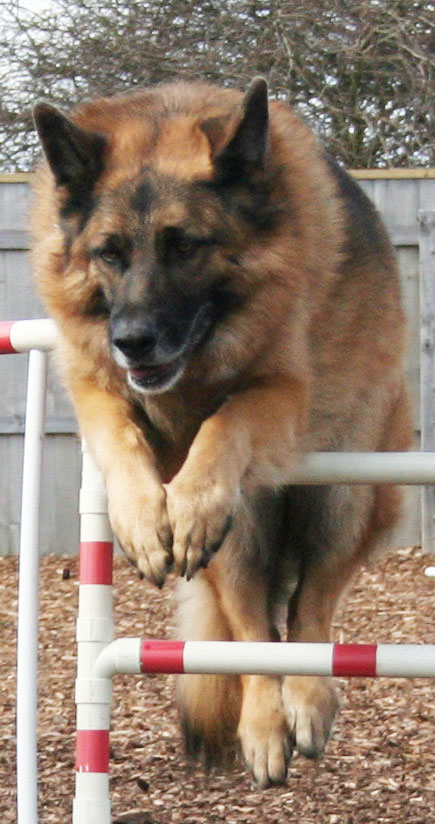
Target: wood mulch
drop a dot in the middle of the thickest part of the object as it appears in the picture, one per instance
(379, 765)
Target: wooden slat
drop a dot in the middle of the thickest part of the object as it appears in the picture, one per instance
(393, 174)
(14, 425)
(409, 269)
(59, 500)
(363, 174)
(404, 235)
(427, 380)
(16, 177)
(14, 239)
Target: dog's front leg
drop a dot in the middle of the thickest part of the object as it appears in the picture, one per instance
(136, 498)
(247, 443)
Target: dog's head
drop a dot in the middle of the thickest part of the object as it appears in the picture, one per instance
(157, 204)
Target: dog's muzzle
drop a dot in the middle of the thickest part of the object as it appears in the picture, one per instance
(153, 354)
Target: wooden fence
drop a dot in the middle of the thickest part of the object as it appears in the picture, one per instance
(403, 197)
(59, 531)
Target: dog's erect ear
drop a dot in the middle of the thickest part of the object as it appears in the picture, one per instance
(75, 156)
(239, 148)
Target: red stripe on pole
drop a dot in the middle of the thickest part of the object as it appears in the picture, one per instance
(96, 562)
(92, 751)
(162, 656)
(354, 659)
(6, 347)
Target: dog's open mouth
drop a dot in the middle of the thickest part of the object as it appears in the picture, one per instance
(163, 375)
(156, 377)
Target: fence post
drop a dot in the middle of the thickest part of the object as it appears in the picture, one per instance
(427, 366)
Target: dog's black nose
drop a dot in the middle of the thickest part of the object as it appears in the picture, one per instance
(135, 338)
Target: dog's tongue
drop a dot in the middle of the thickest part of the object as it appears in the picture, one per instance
(149, 371)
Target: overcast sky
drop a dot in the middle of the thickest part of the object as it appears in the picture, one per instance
(34, 5)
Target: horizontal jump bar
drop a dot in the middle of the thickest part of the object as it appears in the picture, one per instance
(133, 655)
(411, 468)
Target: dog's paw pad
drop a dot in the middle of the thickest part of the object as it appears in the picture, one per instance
(311, 704)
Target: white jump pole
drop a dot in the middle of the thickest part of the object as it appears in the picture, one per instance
(411, 468)
(36, 337)
(28, 601)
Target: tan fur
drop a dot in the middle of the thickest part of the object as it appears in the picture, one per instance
(310, 359)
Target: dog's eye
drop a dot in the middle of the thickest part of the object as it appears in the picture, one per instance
(110, 256)
(175, 243)
(185, 246)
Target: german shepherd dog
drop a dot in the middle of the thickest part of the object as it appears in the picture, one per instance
(227, 300)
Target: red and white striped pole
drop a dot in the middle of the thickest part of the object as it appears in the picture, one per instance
(265, 658)
(93, 693)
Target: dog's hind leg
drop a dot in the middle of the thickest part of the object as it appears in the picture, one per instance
(311, 702)
(229, 601)
(209, 705)
(242, 590)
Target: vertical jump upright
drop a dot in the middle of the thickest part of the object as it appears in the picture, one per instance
(95, 629)
(37, 338)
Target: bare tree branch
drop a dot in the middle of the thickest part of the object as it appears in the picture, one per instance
(360, 71)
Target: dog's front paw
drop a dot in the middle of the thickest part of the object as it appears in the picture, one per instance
(140, 521)
(311, 704)
(200, 509)
(263, 731)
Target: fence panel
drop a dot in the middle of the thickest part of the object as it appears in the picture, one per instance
(398, 198)
(59, 528)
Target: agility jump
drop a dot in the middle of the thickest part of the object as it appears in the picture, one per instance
(99, 656)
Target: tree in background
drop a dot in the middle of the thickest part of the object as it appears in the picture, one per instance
(360, 71)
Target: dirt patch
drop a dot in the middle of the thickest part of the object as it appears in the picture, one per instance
(379, 766)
